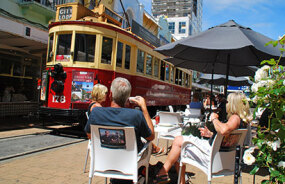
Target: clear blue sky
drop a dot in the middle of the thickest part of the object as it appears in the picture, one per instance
(264, 16)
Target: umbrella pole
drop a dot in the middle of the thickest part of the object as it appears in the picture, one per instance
(227, 75)
(212, 81)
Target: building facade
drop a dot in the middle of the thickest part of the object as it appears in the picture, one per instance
(184, 16)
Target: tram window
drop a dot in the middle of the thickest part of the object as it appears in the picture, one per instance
(148, 64)
(183, 79)
(140, 61)
(155, 67)
(106, 50)
(167, 68)
(180, 78)
(176, 76)
(186, 80)
(119, 54)
(6, 66)
(128, 57)
(63, 47)
(50, 48)
(171, 74)
(162, 71)
(18, 69)
(84, 47)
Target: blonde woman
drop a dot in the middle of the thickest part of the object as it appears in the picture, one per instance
(238, 117)
(98, 95)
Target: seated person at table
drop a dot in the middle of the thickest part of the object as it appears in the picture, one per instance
(117, 115)
(238, 117)
(207, 101)
(98, 95)
(195, 103)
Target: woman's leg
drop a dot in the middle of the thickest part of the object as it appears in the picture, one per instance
(173, 155)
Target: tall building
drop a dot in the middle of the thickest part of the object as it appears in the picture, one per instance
(184, 16)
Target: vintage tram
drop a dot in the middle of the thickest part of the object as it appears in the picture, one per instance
(88, 47)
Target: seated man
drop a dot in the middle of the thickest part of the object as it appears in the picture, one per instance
(116, 115)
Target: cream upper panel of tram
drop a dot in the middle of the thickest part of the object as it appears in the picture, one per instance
(104, 33)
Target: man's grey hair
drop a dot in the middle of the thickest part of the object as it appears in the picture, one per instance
(121, 91)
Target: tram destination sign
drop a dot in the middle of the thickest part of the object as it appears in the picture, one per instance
(65, 13)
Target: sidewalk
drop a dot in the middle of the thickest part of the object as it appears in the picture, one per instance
(65, 166)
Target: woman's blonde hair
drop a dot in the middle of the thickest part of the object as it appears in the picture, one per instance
(238, 104)
(99, 92)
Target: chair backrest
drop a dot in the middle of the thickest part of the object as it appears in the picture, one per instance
(194, 113)
(116, 151)
(248, 138)
(170, 108)
(222, 158)
(169, 118)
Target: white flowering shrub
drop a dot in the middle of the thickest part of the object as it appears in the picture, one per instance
(268, 92)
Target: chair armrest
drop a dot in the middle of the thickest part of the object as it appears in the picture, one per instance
(143, 149)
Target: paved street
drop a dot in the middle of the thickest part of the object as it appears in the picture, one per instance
(65, 165)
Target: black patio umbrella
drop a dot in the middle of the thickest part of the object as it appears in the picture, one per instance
(228, 43)
(220, 80)
(219, 68)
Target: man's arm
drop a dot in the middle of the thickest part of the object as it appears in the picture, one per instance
(141, 102)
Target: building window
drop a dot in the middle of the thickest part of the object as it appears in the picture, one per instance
(171, 27)
(195, 7)
(182, 27)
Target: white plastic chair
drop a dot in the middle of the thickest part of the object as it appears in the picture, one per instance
(118, 160)
(222, 156)
(171, 120)
(88, 148)
(170, 108)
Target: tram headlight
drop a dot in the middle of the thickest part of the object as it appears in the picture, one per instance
(57, 86)
(58, 72)
(59, 76)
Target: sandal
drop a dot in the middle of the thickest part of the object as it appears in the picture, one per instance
(162, 179)
(161, 150)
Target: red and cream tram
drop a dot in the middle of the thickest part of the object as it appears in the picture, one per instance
(88, 47)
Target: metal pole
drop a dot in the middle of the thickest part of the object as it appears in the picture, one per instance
(227, 76)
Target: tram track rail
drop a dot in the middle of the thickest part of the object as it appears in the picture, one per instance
(28, 144)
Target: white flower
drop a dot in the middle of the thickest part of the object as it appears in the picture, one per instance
(283, 82)
(261, 73)
(249, 150)
(248, 159)
(269, 143)
(281, 164)
(276, 144)
(255, 99)
(269, 83)
(254, 87)
(265, 67)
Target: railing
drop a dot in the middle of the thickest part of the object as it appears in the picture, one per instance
(145, 34)
(47, 3)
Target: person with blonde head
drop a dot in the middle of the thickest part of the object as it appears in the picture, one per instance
(238, 117)
(98, 95)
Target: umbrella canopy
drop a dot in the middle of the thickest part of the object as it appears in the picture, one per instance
(229, 43)
(244, 46)
(219, 68)
(220, 80)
